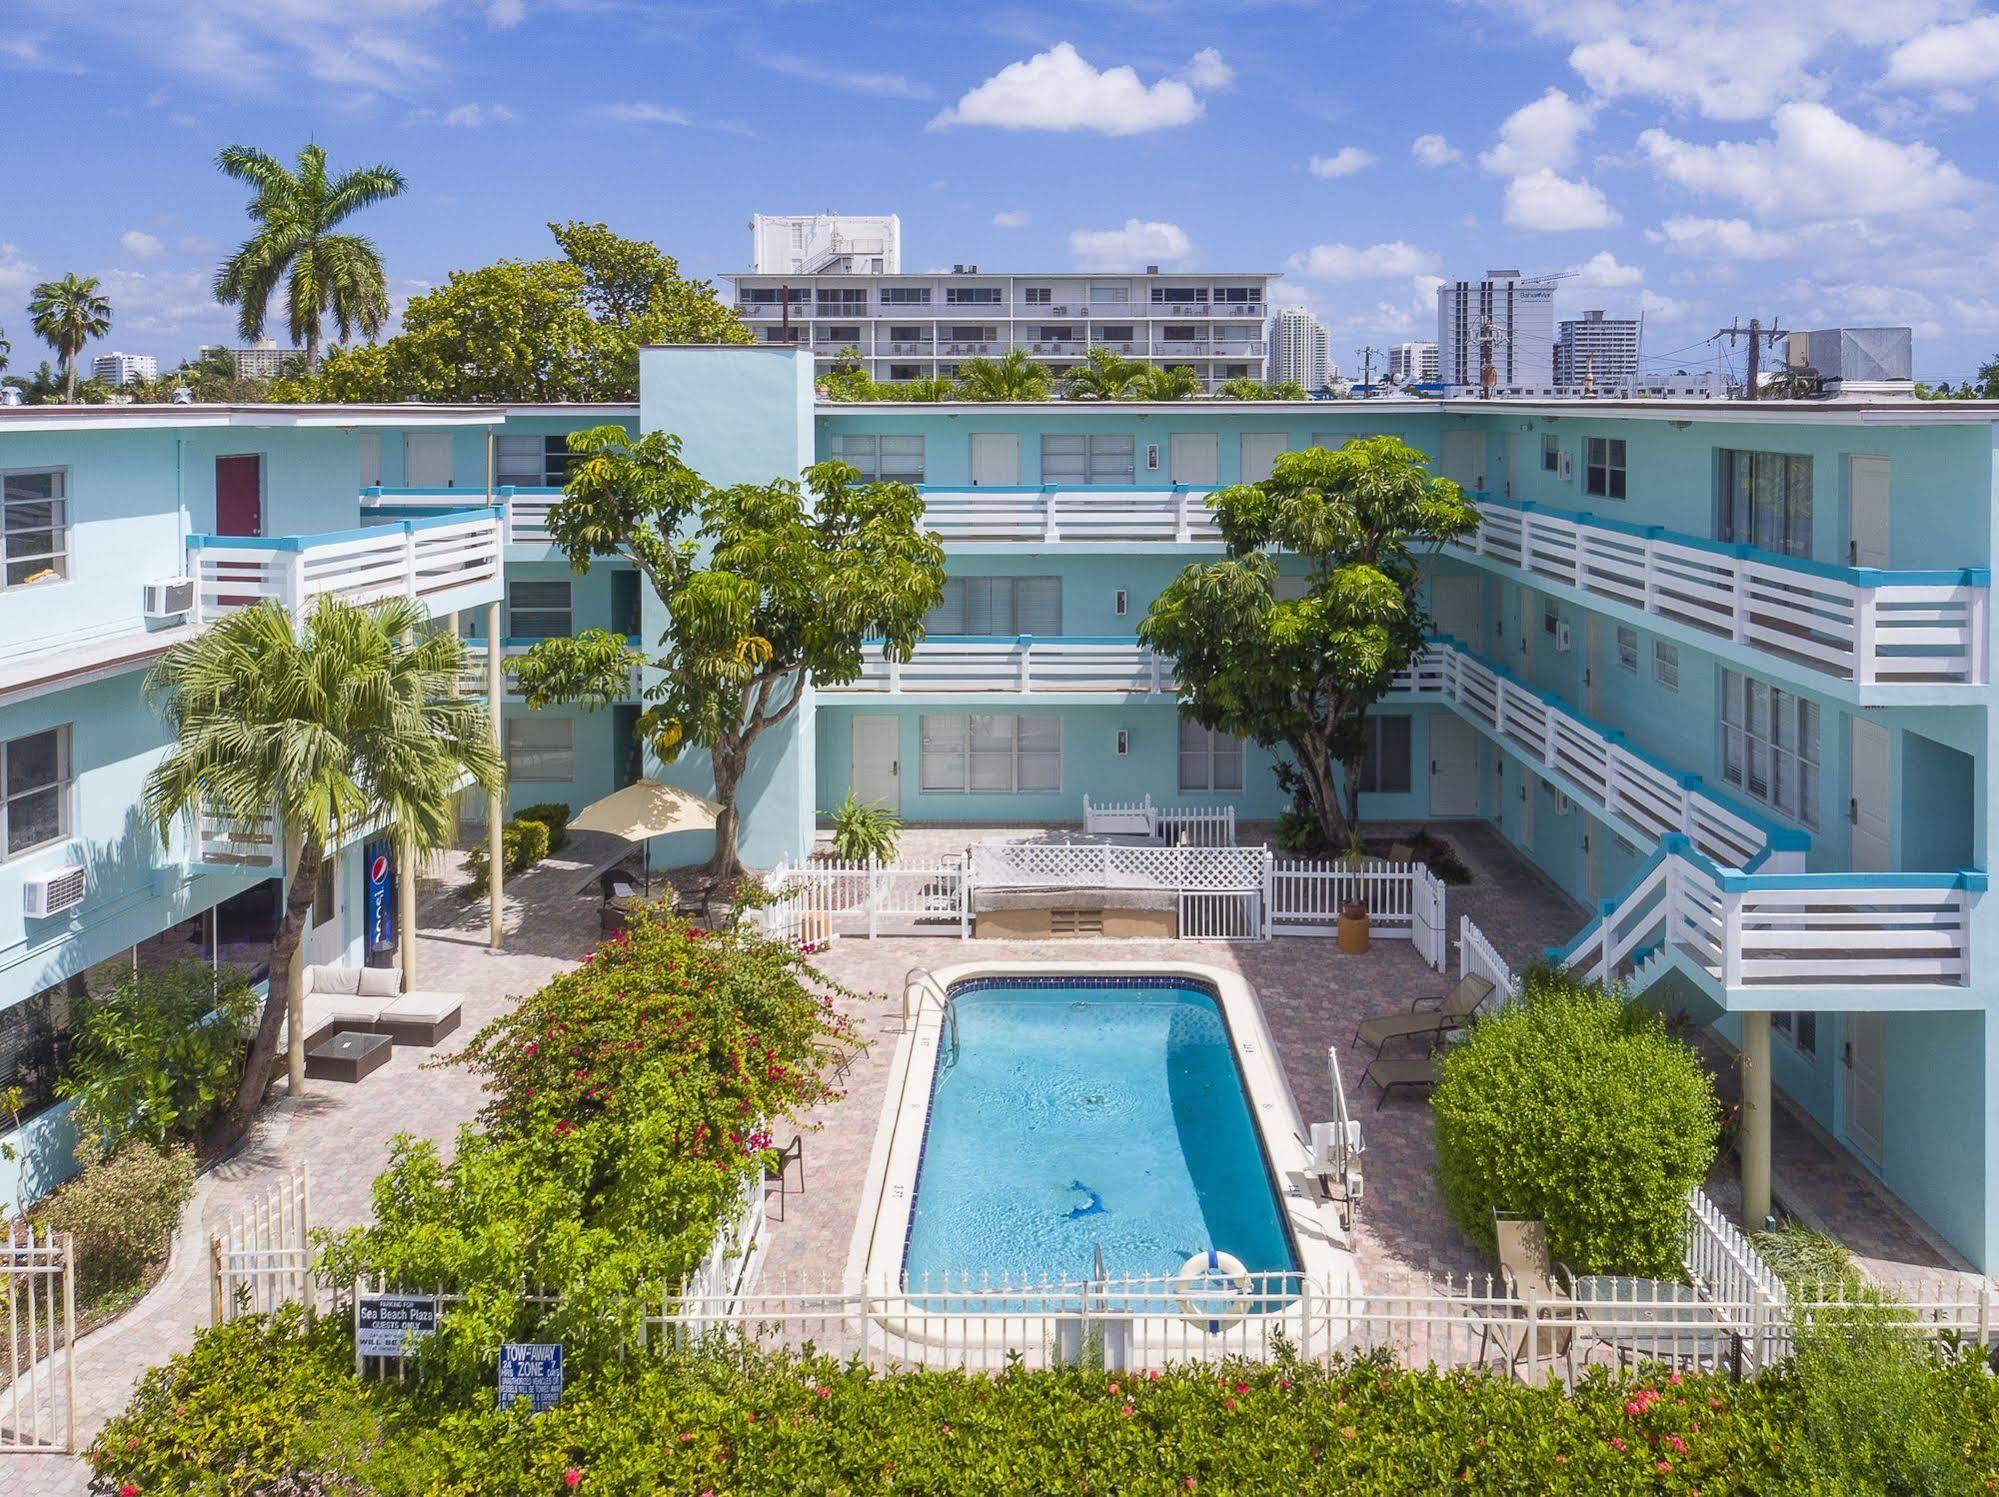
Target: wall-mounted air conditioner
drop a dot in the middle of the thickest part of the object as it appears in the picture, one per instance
(1564, 638)
(169, 598)
(53, 892)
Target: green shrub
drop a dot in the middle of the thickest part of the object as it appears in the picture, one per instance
(159, 1057)
(552, 814)
(1806, 1259)
(862, 831)
(522, 845)
(122, 1212)
(1579, 1109)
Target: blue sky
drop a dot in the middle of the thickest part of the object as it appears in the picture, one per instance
(1822, 161)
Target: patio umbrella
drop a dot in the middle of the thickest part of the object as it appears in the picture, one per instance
(646, 809)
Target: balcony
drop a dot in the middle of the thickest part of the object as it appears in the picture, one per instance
(473, 682)
(1014, 665)
(450, 561)
(1047, 515)
(1857, 624)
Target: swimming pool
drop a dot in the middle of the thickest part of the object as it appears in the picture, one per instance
(1070, 1115)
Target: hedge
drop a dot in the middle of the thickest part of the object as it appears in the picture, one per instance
(524, 842)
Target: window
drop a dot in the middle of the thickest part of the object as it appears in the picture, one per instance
(324, 905)
(1799, 1030)
(767, 296)
(1627, 649)
(998, 605)
(905, 371)
(1115, 332)
(34, 526)
(851, 300)
(1551, 454)
(538, 610)
(896, 459)
(792, 334)
(1089, 459)
(971, 332)
(1384, 768)
(1551, 619)
(1180, 295)
(541, 749)
(1239, 296)
(1038, 296)
(844, 333)
(1666, 664)
(1209, 761)
(905, 296)
(1603, 467)
(1770, 746)
(35, 779)
(905, 332)
(1000, 753)
(1110, 295)
(972, 296)
(1764, 499)
(533, 462)
(1180, 332)
(1055, 333)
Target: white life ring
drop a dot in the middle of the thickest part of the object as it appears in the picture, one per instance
(1203, 1274)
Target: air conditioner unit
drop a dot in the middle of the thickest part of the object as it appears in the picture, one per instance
(1564, 466)
(53, 892)
(169, 598)
(1563, 637)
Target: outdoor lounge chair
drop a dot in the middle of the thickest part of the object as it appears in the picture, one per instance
(1401, 852)
(1529, 1275)
(1453, 1009)
(1386, 1074)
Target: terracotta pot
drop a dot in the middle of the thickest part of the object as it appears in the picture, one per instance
(1353, 928)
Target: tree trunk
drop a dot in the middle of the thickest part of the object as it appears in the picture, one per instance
(69, 380)
(302, 860)
(312, 349)
(726, 759)
(1315, 767)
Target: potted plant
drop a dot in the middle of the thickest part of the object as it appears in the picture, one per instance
(1353, 908)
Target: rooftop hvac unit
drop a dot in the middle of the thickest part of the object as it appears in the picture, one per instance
(53, 892)
(169, 597)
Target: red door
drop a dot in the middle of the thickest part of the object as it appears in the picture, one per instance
(239, 495)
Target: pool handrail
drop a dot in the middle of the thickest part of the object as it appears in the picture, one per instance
(920, 980)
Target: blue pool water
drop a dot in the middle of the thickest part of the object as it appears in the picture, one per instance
(1080, 1116)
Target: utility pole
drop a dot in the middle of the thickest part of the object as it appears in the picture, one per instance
(784, 293)
(1757, 334)
(1367, 365)
(1488, 376)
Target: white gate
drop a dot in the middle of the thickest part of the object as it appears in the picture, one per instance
(38, 1405)
(264, 1258)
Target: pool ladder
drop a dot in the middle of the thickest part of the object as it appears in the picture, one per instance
(918, 983)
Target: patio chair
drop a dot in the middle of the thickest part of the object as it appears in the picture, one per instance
(1529, 1274)
(791, 1153)
(1401, 852)
(1388, 1074)
(1452, 1011)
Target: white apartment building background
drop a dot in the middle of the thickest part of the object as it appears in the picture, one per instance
(1412, 363)
(1596, 353)
(1517, 314)
(1300, 350)
(808, 243)
(119, 369)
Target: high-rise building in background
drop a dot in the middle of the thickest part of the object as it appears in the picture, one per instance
(1299, 349)
(1596, 352)
(123, 368)
(1513, 315)
(808, 243)
(1412, 363)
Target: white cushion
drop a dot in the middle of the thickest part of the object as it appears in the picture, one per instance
(423, 1008)
(381, 982)
(331, 979)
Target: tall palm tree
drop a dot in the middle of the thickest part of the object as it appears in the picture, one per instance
(324, 273)
(1013, 376)
(351, 715)
(933, 387)
(6, 348)
(1177, 383)
(66, 314)
(1104, 374)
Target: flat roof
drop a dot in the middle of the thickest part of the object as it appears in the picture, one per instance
(116, 417)
(1783, 412)
(1046, 275)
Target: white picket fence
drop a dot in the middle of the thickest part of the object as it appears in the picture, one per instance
(728, 1273)
(263, 1258)
(814, 902)
(1177, 826)
(38, 1403)
(1023, 664)
(1476, 957)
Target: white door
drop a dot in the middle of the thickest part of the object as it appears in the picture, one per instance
(995, 458)
(1455, 608)
(427, 460)
(877, 760)
(1464, 458)
(1453, 766)
(1864, 1105)
(1867, 511)
(1870, 819)
(328, 942)
(1194, 460)
(1259, 453)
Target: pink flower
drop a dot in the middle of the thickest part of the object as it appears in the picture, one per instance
(128, 1490)
(572, 1477)
(1127, 1411)
(1679, 1445)
(1665, 1466)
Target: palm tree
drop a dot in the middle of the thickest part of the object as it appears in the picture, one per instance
(1243, 388)
(1013, 376)
(66, 314)
(1177, 383)
(6, 348)
(351, 715)
(935, 387)
(1286, 389)
(1104, 374)
(323, 272)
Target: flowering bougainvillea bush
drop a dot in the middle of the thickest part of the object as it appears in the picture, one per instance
(272, 1406)
(628, 1103)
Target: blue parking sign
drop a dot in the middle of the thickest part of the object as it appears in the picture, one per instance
(531, 1370)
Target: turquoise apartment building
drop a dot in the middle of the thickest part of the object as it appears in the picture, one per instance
(1721, 670)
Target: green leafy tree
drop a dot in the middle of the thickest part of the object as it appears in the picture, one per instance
(1301, 673)
(1177, 383)
(67, 313)
(1012, 376)
(6, 348)
(798, 579)
(351, 715)
(1104, 374)
(295, 246)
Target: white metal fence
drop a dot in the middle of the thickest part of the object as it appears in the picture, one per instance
(38, 1405)
(263, 1259)
(402, 559)
(814, 902)
(729, 1271)
(1177, 826)
(1023, 664)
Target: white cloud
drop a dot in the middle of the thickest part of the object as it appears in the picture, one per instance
(1059, 90)
(1206, 71)
(1541, 136)
(1947, 56)
(1661, 308)
(1011, 218)
(847, 80)
(139, 244)
(1434, 150)
(1137, 243)
(1343, 262)
(1548, 203)
(1342, 163)
(1602, 270)
(462, 116)
(1815, 165)
(642, 114)
(17, 271)
(506, 14)
(30, 54)
(1719, 239)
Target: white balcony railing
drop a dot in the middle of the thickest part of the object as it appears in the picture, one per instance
(1856, 623)
(1107, 513)
(420, 558)
(1023, 664)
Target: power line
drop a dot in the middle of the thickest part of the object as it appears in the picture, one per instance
(1757, 334)
(1367, 364)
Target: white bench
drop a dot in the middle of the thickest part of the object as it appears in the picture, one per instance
(370, 999)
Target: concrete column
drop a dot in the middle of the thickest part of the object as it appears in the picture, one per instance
(496, 803)
(406, 910)
(1755, 1135)
(295, 1025)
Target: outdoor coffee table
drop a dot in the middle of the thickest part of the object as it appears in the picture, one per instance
(1656, 1320)
(348, 1056)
